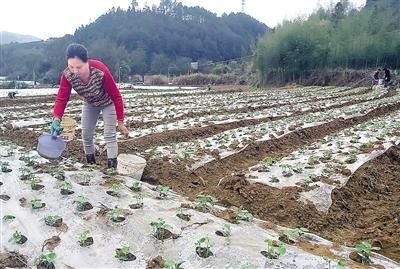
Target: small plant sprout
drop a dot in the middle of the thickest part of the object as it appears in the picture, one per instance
(162, 191)
(160, 228)
(82, 203)
(116, 189)
(8, 218)
(26, 173)
(205, 202)
(268, 162)
(65, 187)
(340, 264)
(227, 230)
(36, 203)
(5, 167)
(52, 220)
(203, 247)
(327, 154)
(287, 170)
(27, 158)
(86, 176)
(311, 178)
(364, 249)
(85, 239)
(139, 198)
(136, 186)
(352, 158)
(299, 167)
(274, 249)
(313, 160)
(34, 181)
(116, 214)
(242, 214)
(295, 233)
(46, 260)
(124, 254)
(59, 173)
(17, 237)
(274, 179)
(173, 265)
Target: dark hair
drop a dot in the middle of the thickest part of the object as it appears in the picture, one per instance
(77, 50)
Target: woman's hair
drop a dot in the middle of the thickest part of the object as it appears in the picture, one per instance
(77, 50)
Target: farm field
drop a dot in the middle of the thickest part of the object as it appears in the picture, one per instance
(294, 177)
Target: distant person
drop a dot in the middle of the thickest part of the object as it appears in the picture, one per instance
(12, 94)
(92, 80)
(375, 77)
(387, 77)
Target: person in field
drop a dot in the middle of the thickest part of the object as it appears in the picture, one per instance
(92, 80)
(375, 77)
(387, 76)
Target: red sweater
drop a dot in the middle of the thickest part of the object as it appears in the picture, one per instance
(100, 90)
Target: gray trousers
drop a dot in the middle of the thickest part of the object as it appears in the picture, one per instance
(90, 115)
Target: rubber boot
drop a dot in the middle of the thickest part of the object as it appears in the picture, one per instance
(90, 159)
(112, 163)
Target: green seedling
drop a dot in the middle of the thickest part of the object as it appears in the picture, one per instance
(65, 186)
(83, 236)
(86, 176)
(81, 202)
(16, 237)
(313, 160)
(227, 230)
(26, 173)
(46, 260)
(123, 253)
(159, 228)
(58, 173)
(274, 180)
(298, 168)
(162, 191)
(287, 170)
(136, 186)
(116, 189)
(242, 214)
(274, 250)
(341, 264)
(116, 214)
(364, 249)
(28, 159)
(352, 158)
(36, 203)
(51, 220)
(173, 265)
(8, 218)
(5, 167)
(205, 202)
(295, 233)
(34, 181)
(203, 247)
(139, 198)
(327, 154)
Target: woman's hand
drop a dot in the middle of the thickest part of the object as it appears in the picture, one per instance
(122, 128)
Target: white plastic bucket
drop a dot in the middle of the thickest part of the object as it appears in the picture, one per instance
(131, 165)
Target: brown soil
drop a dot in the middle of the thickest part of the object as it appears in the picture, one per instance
(12, 260)
(156, 263)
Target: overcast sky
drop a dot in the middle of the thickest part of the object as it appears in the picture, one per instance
(55, 18)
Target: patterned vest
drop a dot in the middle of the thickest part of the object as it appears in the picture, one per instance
(92, 92)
